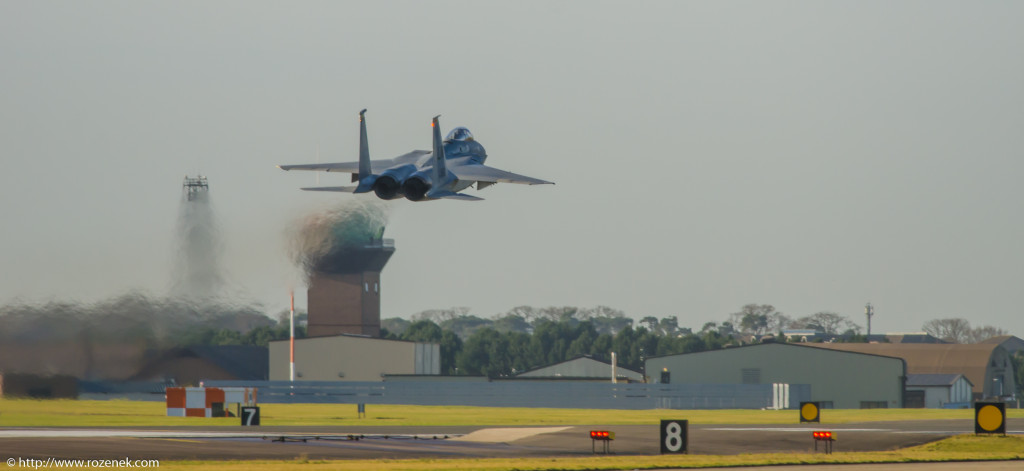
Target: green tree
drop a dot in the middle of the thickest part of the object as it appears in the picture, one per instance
(726, 329)
(465, 325)
(428, 332)
(394, 325)
(828, 322)
(754, 323)
(602, 346)
(486, 352)
(226, 337)
(668, 325)
(451, 345)
(519, 351)
(422, 331)
(512, 323)
(956, 330)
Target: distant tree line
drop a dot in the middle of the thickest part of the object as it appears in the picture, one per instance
(259, 336)
(496, 353)
(526, 337)
(509, 343)
(959, 330)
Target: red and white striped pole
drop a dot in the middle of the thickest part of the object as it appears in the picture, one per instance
(291, 343)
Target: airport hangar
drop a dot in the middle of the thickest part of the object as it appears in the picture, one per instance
(986, 365)
(838, 379)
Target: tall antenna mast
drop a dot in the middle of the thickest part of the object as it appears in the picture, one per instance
(869, 311)
(291, 330)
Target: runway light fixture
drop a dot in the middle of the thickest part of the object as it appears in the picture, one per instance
(824, 436)
(603, 436)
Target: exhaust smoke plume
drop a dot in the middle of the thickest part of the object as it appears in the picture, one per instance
(197, 272)
(109, 339)
(319, 239)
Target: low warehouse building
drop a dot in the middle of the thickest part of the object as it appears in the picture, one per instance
(353, 358)
(842, 380)
(938, 390)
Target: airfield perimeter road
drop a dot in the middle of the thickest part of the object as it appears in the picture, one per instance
(214, 443)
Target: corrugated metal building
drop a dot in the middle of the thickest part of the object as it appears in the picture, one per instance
(842, 380)
(938, 390)
(353, 358)
(582, 367)
(987, 366)
(1011, 343)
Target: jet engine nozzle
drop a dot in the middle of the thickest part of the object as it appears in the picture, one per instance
(416, 187)
(387, 188)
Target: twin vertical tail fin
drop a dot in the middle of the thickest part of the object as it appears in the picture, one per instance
(440, 170)
(364, 148)
(442, 179)
(365, 177)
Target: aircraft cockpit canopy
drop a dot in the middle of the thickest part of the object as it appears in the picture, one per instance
(459, 134)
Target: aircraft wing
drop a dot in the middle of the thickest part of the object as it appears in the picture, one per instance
(377, 166)
(483, 173)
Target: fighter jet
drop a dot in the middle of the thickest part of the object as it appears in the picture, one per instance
(454, 164)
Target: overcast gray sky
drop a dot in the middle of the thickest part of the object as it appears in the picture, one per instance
(810, 155)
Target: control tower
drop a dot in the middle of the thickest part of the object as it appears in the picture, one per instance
(344, 290)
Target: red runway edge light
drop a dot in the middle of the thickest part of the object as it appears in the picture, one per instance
(602, 435)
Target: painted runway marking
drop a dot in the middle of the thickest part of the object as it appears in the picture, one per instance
(501, 435)
(802, 430)
(834, 429)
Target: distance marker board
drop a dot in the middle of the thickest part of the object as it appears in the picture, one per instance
(674, 436)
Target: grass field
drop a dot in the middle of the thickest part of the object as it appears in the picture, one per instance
(72, 413)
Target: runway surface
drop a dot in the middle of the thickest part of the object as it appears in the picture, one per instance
(268, 442)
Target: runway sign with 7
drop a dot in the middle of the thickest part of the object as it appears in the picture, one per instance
(250, 416)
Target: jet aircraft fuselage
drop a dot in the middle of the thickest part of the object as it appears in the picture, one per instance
(454, 164)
